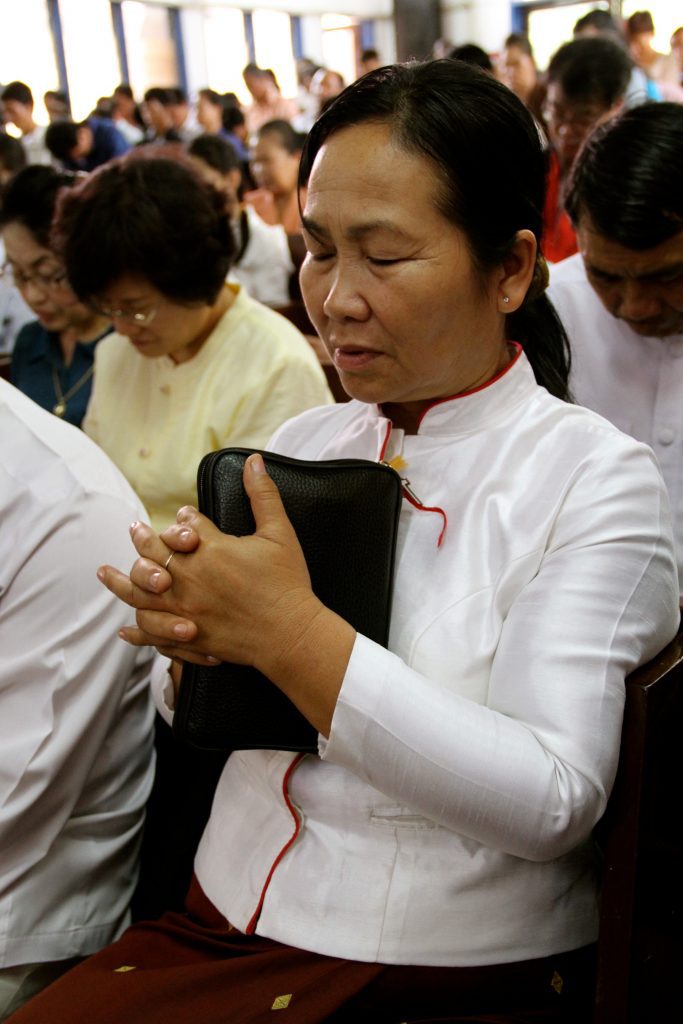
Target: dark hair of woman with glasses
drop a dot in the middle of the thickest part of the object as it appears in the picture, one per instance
(194, 363)
(53, 357)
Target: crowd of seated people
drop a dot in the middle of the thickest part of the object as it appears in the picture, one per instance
(149, 252)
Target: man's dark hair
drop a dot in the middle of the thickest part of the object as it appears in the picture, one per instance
(484, 150)
(212, 96)
(19, 92)
(30, 200)
(12, 153)
(591, 70)
(639, 22)
(163, 96)
(61, 137)
(151, 217)
(288, 137)
(59, 96)
(177, 94)
(601, 21)
(627, 177)
(124, 90)
(369, 54)
(472, 54)
(216, 152)
(521, 41)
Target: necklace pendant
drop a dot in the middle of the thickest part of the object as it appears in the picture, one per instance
(59, 409)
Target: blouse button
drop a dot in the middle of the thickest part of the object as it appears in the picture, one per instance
(165, 389)
(666, 435)
(144, 453)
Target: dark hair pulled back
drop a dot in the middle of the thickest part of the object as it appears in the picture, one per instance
(490, 169)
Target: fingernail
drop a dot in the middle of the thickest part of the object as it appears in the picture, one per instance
(256, 464)
(214, 661)
(154, 579)
(133, 527)
(185, 534)
(184, 513)
(180, 630)
(100, 573)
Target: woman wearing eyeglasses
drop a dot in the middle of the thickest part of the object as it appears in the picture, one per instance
(195, 364)
(53, 357)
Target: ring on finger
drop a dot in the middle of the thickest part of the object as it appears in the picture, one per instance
(168, 560)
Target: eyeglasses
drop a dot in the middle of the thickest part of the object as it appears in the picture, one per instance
(578, 121)
(46, 282)
(141, 319)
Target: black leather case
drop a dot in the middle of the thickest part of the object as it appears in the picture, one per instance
(345, 514)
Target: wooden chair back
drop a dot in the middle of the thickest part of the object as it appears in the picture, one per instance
(641, 922)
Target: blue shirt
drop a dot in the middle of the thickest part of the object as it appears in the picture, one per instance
(108, 142)
(37, 358)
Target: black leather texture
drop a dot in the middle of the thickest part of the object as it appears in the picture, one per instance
(345, 514)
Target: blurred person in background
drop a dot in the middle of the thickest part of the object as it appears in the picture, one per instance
(663, 68)
(17, 102)
(586, 82)
(14, 312)
(326, 86)
(195, 364)
(262, 262)
(677, 50)
(519, 72)
(306, 101)
(85, 145)
(53, 358)
(275, 166)
(268, 102)
(183, 116)
(57, 105)
(370, 60)
(601, 23)
(127, 115)
(157, 109)
(471, 53)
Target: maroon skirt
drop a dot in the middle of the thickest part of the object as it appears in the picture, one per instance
(195, 968)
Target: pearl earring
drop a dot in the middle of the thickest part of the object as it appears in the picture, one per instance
(506, 299)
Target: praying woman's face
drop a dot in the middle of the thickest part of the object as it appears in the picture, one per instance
(389, 281)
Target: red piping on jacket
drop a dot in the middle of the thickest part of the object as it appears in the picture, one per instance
(251, 927)
(410, 494)
(480, 387)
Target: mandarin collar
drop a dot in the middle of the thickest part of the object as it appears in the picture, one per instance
(481, 408)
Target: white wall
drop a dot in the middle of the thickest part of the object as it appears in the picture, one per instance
(485, 22)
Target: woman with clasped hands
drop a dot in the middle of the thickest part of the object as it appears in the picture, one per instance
(435, 861)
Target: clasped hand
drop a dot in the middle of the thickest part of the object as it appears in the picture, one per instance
(222, 598)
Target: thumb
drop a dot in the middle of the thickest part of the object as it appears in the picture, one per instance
(266, 504)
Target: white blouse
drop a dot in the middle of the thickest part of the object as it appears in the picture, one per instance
(448, 819)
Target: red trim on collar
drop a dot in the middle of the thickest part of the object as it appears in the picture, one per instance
(251, 927)
(480, 387)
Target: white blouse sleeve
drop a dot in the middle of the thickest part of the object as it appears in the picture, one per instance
(529, 772)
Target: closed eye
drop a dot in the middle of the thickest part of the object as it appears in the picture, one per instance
(382, 263)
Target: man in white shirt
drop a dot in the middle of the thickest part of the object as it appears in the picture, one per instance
(621, 296)
(17, 102)
(75, 712)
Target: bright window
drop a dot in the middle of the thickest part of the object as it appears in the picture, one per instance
(273, 46)
(226, 51)
(93, 70)
(339, 45)
(26, 50)
(550, 27)
(149, 45)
